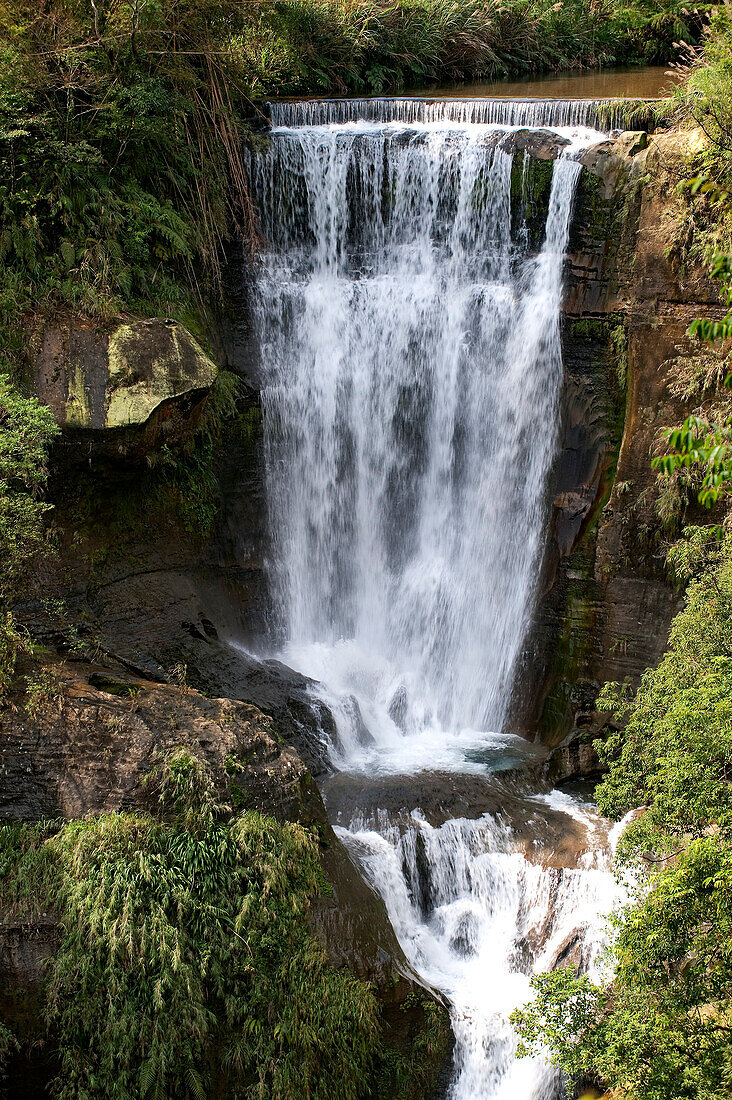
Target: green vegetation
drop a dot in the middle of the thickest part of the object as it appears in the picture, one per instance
(661, 1029)
(26, 428)
(186, 963)
(121, 124)
(374, 45)
(707, 91)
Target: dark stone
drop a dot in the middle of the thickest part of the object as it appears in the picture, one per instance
(605, 604)
(539, 144)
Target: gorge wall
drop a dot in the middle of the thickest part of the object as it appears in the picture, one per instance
(149, 604)
(631, 294)
(159, 590)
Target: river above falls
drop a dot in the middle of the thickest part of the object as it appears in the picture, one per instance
(648, 82)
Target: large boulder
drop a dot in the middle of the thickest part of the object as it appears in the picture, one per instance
(94, 731)
(127, 386)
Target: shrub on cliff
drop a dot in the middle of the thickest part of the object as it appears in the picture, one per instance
(26, 429)
(661, 1029)
(707, 91)
(120, 149)
(187, 967)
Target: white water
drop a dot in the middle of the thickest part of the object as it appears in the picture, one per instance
(476, 918)
(408, 321)
(531, 113)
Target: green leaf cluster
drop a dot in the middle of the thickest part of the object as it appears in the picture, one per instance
(699, 446)
(661, 1029)
(186, 963)
(120, 150)
(26, 429)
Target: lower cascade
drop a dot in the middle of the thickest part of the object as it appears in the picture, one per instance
(407, 305)
(476, 918)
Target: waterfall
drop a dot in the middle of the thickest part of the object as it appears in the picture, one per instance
(412, 366)
(407, 303)
(530, 113)
(476, 918)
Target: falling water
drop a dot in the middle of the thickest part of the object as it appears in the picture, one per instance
(408, 322)
(531, 113)
(476, 918)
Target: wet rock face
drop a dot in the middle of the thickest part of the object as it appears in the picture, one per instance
(95, 732)
(606, 605)
(159, 595)
(544, 833)
(24, 951)
(126, 388)
(539, 144)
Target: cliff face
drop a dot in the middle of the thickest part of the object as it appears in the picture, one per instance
(144, 598)
(82, 739)
(136, 612)
(158, 595)
(607, 605)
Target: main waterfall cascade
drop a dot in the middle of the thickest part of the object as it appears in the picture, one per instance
(407, 314)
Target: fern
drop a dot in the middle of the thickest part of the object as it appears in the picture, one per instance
(186, 956)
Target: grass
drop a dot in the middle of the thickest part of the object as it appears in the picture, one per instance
(381, 45)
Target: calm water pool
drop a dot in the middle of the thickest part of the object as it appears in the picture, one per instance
(639, 83)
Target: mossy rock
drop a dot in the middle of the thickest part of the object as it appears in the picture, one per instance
(134, 384)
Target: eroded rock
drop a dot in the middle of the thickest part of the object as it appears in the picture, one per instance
(94, 733)
(630, 296)
(128, 386)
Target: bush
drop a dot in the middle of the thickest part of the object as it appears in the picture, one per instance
(707, 91)
(186, 961)
(26, 429)
(660, 1029)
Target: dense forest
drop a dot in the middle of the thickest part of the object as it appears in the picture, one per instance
(123, 135)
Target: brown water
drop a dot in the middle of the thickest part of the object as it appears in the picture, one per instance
(651, 82)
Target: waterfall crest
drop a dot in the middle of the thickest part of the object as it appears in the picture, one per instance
(531, 113)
